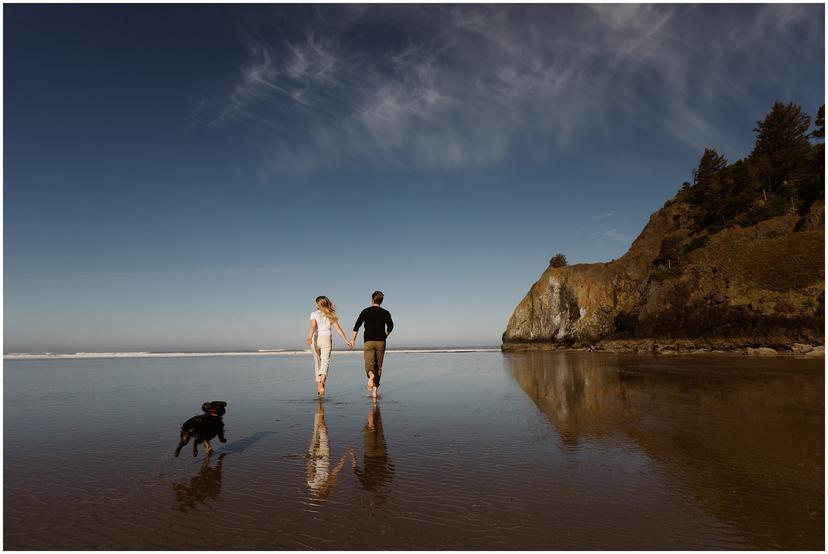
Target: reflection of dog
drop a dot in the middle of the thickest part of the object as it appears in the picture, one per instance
(206, 485)
(203, 428)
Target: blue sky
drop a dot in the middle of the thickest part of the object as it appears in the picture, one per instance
(192, 177)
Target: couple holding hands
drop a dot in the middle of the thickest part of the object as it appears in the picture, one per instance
(378, 325)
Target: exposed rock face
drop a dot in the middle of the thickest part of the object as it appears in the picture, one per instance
(815, 219)
(568, 307)
(757, 286)
(800, 349)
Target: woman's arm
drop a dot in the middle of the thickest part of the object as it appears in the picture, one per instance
(342, 334)
(311, 331)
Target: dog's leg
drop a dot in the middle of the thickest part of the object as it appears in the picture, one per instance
(221, 433)
(195, 446)
(207, 448)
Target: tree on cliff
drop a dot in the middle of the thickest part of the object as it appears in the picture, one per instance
(558, 260)
(706, 187)
(813, 186)
(781, 148)
(819, 132)
(669, 251)
(785, 173)
(785, 127)
(710, 165)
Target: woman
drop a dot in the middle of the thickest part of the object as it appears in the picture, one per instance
(320, 340)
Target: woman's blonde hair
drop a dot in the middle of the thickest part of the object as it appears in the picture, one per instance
(327, 308)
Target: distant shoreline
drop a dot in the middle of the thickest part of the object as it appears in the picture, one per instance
(11, 356)
(667, 348)
(633, 347)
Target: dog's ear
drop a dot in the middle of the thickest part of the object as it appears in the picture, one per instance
(218, 403)
(205, 407)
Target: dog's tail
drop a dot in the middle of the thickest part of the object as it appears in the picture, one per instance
(186, 434)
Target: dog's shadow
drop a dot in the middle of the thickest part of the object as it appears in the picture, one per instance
(243, 444)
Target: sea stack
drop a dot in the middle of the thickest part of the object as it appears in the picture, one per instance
(734, 261)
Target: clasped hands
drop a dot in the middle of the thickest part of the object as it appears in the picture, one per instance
(348, 343)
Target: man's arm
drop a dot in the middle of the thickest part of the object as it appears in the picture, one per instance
(389, 325)
(360, 320)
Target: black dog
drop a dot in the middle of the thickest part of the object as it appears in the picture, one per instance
(203, 428)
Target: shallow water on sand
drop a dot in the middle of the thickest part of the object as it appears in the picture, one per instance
(468, 450)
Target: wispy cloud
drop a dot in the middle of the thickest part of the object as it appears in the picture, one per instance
(603, 226)
(613, 234)
(150, 274)
(468, 85)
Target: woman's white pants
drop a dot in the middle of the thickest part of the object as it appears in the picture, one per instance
(321, 350)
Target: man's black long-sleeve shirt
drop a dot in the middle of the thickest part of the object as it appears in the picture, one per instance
(376, 319)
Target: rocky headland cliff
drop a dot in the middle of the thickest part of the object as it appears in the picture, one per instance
(733, 262)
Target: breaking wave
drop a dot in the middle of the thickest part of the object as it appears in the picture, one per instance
(261, 352)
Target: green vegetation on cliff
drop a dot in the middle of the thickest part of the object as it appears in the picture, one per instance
(735, 258)
(784, 175)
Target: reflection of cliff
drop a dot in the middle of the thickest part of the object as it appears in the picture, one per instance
(579, 398)
(746, 442)
(207, 484)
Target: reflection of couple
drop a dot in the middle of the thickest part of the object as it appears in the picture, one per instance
(376, 470)
(378, 325)
(320, 477)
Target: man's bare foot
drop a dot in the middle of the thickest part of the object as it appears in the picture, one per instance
(374, 392)
(370, 381)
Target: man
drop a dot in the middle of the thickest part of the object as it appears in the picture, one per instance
(378, 326)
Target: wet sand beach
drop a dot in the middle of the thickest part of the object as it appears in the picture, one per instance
(540, 450)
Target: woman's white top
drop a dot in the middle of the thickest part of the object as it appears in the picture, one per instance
(323, 324)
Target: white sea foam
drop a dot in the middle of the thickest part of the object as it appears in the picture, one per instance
(91, 355)
(438, 350)
(262, 352)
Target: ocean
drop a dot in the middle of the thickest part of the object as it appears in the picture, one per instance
(463, 450)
